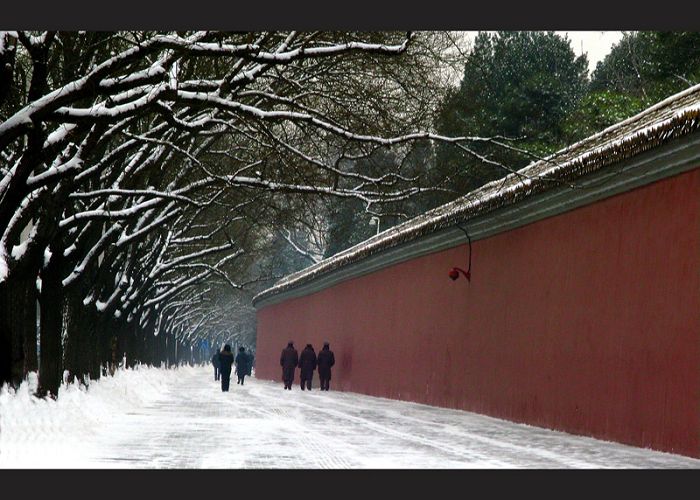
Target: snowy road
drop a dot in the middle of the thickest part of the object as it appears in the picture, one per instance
(189, 423)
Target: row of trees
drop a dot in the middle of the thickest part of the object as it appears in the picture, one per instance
(147, 178)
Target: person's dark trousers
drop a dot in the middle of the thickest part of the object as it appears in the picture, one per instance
(325, 384)
(240, 379)
(306, 383)
(216, 373)
(225, 381)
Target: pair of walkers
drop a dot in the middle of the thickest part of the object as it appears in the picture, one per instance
(307, 362)
(223, 362)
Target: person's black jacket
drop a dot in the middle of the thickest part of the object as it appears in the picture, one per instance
(288, 361)
(226, 360)
(242, 361)
(215, 360)
(307, 362)
(325, 360)
(289, 357)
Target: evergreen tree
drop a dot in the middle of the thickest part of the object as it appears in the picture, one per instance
(521, 85)
(642, 68)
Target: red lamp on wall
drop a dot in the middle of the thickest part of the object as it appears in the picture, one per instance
(455, 271)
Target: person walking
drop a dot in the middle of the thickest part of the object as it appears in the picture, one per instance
(217, 365)
(307, 364)
(325, 360)
(288, 361)
(242, 368)
(226, 361)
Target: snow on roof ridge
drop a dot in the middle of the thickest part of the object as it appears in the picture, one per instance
(481, 195)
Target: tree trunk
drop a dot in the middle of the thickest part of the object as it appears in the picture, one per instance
(88, 355)
(5, 334)
(131, 341)
(168, 349)
(162, 355)
(79, 353)
(17, 323)
(51, 329)
(31, 360)
(173, 349)
(105, 341)
(100, 340)
(150, 343)
(139, 344)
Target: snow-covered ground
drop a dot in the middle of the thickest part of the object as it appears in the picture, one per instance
(156, 418)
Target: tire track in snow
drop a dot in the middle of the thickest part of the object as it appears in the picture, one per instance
(577, 451)
(324, 456)
(453, 430)
(180, 430)
(405, 436)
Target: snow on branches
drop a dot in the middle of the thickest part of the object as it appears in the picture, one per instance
(144, 160)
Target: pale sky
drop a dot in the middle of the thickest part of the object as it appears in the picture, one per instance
(596, 44)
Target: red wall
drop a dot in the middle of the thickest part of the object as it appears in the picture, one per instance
(587, 322)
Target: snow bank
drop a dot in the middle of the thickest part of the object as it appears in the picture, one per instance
(41, 433)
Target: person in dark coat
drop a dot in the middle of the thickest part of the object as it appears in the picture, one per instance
(307, 364)
(226, 361)
(217, 365)
(325, 360)
(288, 361)
(242, 368)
